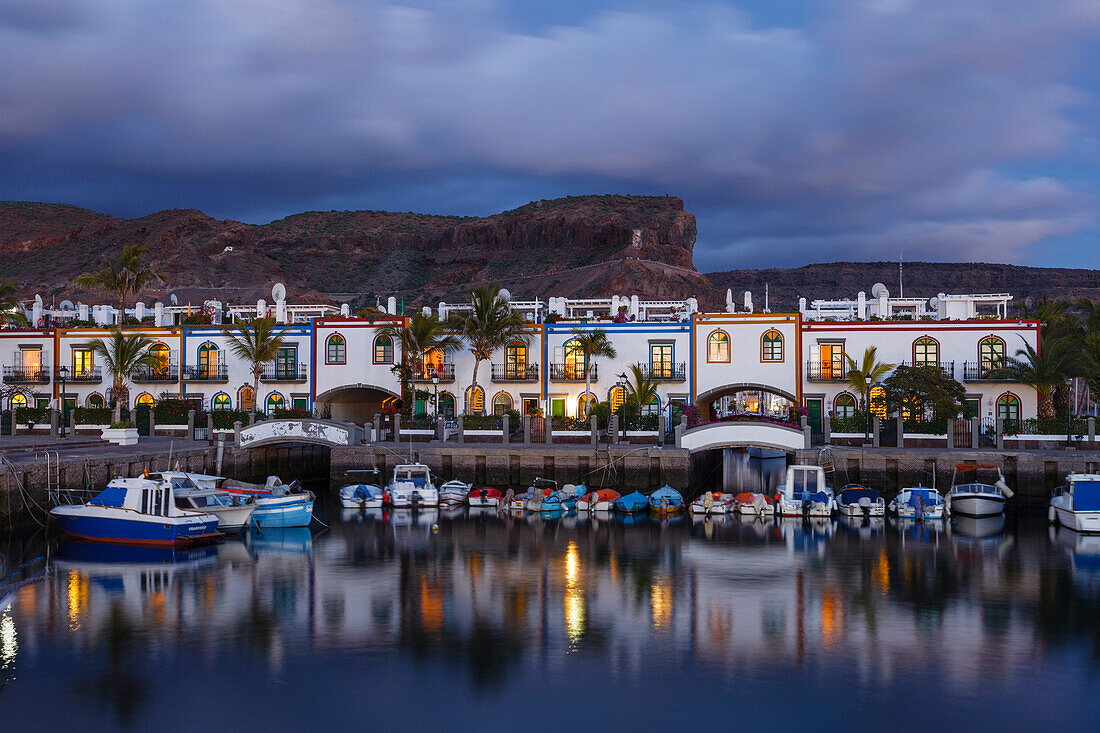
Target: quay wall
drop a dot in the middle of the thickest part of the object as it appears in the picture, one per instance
(1031, 474)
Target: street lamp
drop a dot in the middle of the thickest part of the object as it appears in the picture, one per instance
(62, 375)
(435, 399)
(622, 411)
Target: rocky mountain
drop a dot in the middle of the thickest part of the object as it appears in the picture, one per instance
(581, 246)
(576, 246)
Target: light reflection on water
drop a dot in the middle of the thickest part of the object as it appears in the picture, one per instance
(384, 615)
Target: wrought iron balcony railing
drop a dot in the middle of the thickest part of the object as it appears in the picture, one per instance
(444, 372)
(216, 373)
(26, 375)
(666, 371)
(571, 372)
(947, 368)
(284, 373)
(167, 372)
(515, 372)
(89, 375)
(975, 371)
(826, 371)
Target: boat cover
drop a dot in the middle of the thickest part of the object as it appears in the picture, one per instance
(854, 494)
(1086, 496)
(821, 497)
(666, 492)
(602, 495)
(112, 496)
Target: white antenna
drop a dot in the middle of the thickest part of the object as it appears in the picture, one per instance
(901, 282)
(766, 308)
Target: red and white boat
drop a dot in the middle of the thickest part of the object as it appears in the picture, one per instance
(487, 496)
(755, 504)
(713, 502)
(598, 501)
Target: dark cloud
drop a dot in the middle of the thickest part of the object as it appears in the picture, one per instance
(886, 125)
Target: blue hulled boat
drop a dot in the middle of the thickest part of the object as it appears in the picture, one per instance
(277, 504)
(631, 503)
(138, 511)
(666, 500)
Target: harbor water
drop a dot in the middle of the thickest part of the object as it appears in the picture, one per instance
(462, 620)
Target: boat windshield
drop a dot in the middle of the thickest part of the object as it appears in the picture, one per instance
(805, 480)
(183, 482)
(976, 489)
(1086, 496)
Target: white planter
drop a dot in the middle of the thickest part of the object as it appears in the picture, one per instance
(121, 436)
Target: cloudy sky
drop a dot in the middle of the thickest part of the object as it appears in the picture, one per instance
(797, 131)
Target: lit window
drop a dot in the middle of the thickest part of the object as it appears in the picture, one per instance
(275, 401)
(502, 403)
(222, 402)
(926, 351)
(383, 350)
(991, 354)
(475, 401)
(718, 347)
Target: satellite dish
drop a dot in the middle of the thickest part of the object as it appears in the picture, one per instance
(505, 295)
(933, 302)
(66, 305)
(878, 290)
(278, 293)
(173, 299)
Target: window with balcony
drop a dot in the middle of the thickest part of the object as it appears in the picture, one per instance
(83, 363)
(926, 351)
(502, 403)
(718, 347)
(661, 365)
(383, 350)
(336, 350)
(991, 354)
(771, 346)
(515, 360)
(1008, 406)
(286, 363)
(209, 359)
(30, 360)
(575, 360)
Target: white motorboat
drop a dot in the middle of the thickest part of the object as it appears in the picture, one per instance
(805, 492)
(977, 499)
(234, 512)
(859, 501)
(412, 487)
(755, 504)
(918, 502)
(1076, 505)
(362, 496)
(712, 502)
(454, 492)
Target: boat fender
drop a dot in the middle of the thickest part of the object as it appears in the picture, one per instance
(1052, 515)
(435, 528)
(1004, 488)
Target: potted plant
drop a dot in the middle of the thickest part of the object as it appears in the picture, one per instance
(121, 433)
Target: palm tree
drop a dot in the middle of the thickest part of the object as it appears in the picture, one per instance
(641, 389)
(490, 325)
(11, 310)
(863, 378)
(122, 277)
(1045, 371)
(123, 356)
(592, 344)
(257, 343)
(422, 335)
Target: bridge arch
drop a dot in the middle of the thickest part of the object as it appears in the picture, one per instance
(705, 401)
(319, 432)
(743, 434)
(354, 402)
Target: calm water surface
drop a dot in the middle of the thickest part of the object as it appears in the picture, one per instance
(490, 622)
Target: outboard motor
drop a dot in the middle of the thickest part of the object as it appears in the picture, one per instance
(415, 500)
(865, 505)
(505, 501)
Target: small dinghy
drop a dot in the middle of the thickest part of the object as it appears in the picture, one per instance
(137, 511)
(1077, 505)
(977, 499)
(666, 502)
(631, 503)
(570, 494)
(598, 501)
(453, 493)
(519, 501)
(362, 496)
(713, 503)
(918, 502)
(755, 504)
(487, 496)
(538, 492)
(859, 501)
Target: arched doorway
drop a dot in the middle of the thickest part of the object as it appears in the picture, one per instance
(357, 403)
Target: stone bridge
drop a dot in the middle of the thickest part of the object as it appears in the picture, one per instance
(743, 434)
(320, 432)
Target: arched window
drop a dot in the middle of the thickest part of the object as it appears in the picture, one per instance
(653, 407)
(336, 350)
(95, 399)
(575, 360)
(275, 401)
(502, 403)
(208, 360)
(475, 401)
(718, 347)
(878, 402)
(221, 401)
(246, 398)
(383, 350)
(991, 354)
(844, 405)
(617, 396)
(1008, 406)
(771, 346)
(446, 404)
(926, 351)
(585, 403)
(18, 400)
(515, 360)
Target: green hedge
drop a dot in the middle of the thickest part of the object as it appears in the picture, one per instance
(224, 419)
(172, 411)
(290, 413)
(482, 422)
(93, 416)
(853, 424)
(936, 426)
(37, 415)
(1046, 426)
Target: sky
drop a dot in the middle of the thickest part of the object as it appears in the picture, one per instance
(795, 131)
